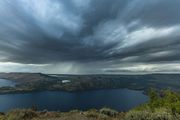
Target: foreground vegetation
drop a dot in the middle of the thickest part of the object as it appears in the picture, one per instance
(163, 105)
(29, 114)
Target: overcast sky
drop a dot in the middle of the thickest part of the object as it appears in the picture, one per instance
(90, 36)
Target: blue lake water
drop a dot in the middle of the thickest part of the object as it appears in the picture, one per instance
(4, 83)
(119, 99)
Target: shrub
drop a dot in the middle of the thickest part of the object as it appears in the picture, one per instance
(137, 115)
(2, 117)
(164, 105)
(21, 114)
(158, 114)
(92, 113)
(166, 98)
(74, 111)
(108, 112)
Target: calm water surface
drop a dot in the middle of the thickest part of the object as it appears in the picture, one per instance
(119, 99)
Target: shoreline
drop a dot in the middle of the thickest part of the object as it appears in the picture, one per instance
(67, 91)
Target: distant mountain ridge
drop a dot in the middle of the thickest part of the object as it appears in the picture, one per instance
(25, 77)
(28, 82)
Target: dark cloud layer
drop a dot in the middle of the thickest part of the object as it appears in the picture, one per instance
(112, 32)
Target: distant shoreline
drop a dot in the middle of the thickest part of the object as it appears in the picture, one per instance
(28, 82)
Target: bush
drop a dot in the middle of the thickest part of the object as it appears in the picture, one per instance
(2, 117)
(164, 105)
(92, 114)
(108, 112)
(166, 99)
(158, 114)
(21, 114)
(138, 115)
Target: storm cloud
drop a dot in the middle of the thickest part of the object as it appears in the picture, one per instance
(90, 36)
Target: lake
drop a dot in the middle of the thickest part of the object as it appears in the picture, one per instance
(119, 99)
(5, 83)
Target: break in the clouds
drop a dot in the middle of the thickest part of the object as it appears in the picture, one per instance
(89, 36)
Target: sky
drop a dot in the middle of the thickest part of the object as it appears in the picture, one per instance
(90, 36)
